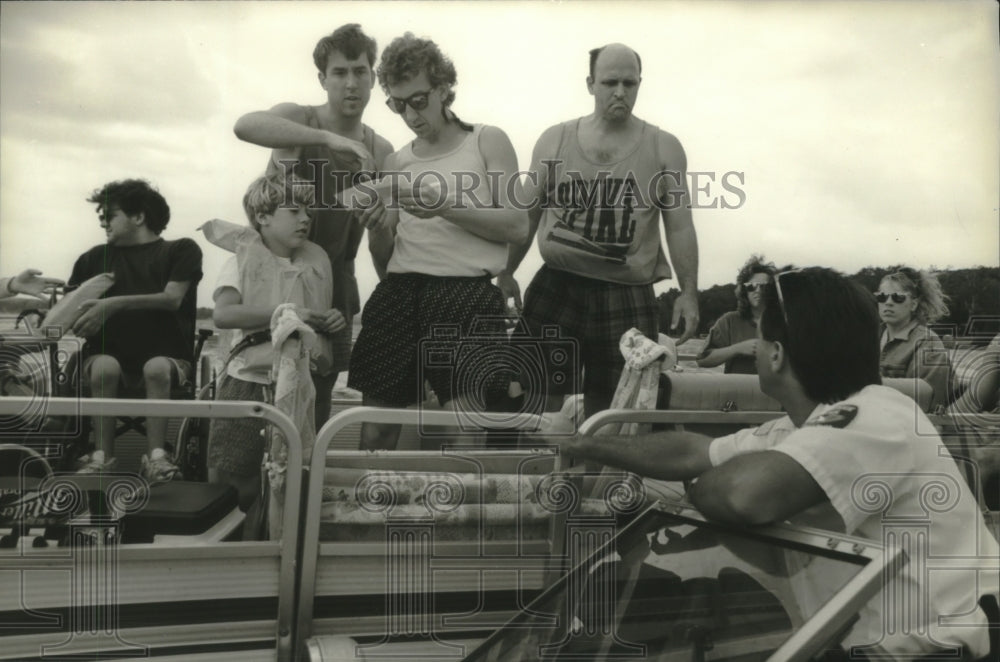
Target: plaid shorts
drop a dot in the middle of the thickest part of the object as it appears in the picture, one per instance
(237, 445)
(418, 328)
(596, 313)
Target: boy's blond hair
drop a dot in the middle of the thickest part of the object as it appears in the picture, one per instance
(269, 192)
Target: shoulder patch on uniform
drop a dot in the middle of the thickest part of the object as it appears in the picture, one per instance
(838, 417)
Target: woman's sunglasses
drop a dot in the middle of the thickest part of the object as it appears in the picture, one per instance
(882, 297)
(416, 101)
(753, 287)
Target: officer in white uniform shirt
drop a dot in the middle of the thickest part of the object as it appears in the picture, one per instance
(851, 456)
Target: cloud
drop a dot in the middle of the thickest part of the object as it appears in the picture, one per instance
(94, 69)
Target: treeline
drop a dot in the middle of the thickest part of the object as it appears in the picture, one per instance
(974, 295)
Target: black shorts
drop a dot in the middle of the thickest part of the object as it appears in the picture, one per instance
(418, 328)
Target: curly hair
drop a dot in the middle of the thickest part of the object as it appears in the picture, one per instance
(133, 196)
(932, 302)
(347, 39)
(755, 265)
(269, 192)
(407, 56)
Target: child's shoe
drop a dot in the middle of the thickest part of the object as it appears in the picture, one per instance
(158, 468)
(94, 463)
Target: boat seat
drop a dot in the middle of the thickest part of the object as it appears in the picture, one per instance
(179, 510)
(720, 392)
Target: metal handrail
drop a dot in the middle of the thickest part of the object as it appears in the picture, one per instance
(207, 409)
(314, 496)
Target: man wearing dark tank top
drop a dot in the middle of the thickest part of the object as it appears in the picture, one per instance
(329, 145)
(600, 186)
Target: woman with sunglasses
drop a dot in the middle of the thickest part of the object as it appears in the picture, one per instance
(732, 339)
(444, 238)
(908, 300)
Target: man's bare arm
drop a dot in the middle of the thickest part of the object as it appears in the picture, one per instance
(670, 455)
(98, 310)
(756, 488)
(285, 129)
(682, 240)
(533, 191)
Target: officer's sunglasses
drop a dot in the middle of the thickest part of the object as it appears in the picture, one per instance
(781, 296)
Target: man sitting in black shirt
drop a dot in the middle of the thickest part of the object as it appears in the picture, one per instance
(140, 333)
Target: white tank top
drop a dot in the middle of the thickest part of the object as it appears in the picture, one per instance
(435, 246)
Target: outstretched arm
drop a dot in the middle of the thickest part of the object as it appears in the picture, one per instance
(667, 455)
(682, 240)
(285, 129)
(29, 281)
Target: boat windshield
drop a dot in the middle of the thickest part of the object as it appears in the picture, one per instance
(671, 586)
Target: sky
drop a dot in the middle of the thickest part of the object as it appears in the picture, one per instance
(858, 133)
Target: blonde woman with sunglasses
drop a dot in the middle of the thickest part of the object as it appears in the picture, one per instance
(908, 301)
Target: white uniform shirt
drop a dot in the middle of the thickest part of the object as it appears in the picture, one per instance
(888, 480)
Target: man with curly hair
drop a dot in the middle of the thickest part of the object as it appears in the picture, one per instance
(330, 146)
(140, 334)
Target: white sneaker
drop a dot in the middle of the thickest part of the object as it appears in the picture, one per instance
(158, 467)
(94, 463)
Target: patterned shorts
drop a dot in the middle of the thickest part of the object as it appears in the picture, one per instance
(237, 444)
(418, 328)
(596, 313)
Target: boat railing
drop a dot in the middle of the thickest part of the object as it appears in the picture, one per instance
(222, 561)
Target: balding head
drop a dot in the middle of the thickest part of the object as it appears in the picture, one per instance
(613, 50)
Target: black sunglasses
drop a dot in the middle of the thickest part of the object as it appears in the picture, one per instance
(416, 101)
(896, 297)
(753, 287)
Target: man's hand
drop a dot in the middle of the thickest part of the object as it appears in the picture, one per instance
(95, 313)
(31, 281)
(686, 306)
(373, 217)
(351, 152)
(510, 290)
